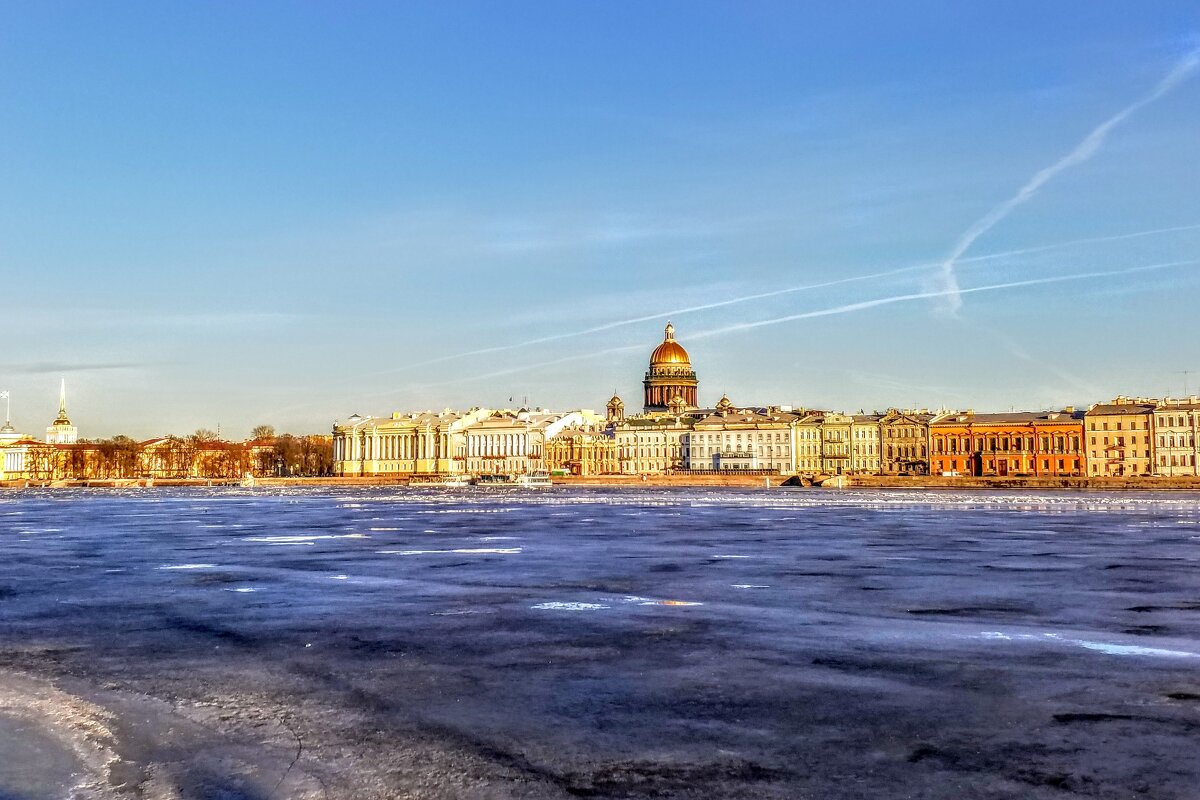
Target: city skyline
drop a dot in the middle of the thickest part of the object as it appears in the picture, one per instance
(421, 207)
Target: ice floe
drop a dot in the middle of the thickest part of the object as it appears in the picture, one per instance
(560, 606)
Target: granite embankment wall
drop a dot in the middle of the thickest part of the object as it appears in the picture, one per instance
(748, 481)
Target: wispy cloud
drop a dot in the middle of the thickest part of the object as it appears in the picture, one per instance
(57, 367)
(1083, 151)
(849, 308)
(699, 307)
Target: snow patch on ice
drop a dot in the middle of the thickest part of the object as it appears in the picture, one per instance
(458, 550)
(558, 606)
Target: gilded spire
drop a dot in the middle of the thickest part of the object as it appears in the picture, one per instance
(62, 404)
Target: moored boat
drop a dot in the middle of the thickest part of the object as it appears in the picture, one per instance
(534, 480)
(440, 481)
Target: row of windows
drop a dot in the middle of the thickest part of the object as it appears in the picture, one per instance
(1183, 440)
(1015, 464)
(905, 433)
(963, 444)
(1133, 426)
(1119, 441)
(759, 437)
(1187, 460)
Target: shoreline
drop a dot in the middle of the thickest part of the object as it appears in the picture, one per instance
(852, 482)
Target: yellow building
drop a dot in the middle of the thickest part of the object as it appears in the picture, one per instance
(653, 443)
(836, 443)
(582, 451)
(1119, 438)
(806, 443)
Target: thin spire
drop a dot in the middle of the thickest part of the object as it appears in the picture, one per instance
(62, 403)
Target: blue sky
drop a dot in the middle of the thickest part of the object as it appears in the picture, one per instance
(235, 213)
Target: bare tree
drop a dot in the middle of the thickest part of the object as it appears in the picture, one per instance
(263, 432)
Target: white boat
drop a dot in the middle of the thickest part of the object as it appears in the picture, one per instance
(536, 479)
(441, 481)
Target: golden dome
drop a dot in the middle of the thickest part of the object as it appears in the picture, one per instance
(670, 351)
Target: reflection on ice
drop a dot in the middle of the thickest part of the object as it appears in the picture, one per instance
(302, 538)
(1102, 647)
(458, 550)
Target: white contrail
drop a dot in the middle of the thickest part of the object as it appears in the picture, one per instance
(678, 312)
(903, 298)
(658, 315)
(827, 312)
(1082, 152)
(835, 310)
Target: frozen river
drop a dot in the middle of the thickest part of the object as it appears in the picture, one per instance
(599, 643)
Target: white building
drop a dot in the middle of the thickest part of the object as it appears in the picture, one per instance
(742, 439)
(513, 442)
(1177, 437)
(864, 443)
(477, 442)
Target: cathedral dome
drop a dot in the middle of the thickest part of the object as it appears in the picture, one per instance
(670, 351)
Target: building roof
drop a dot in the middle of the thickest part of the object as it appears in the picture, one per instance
(1010, 418)
(1103, 409)
(1188, 404)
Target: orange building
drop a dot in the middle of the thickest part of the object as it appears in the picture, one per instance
(1014, 443)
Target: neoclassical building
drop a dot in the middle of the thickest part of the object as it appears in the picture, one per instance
(582, 451)
(1177, 428)
(1011, 443)
(670, 383)
(476, 442)
(733, 438)
(904, 442)
(404, 444)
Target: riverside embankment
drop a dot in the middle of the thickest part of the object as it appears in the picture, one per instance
(730, 480)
